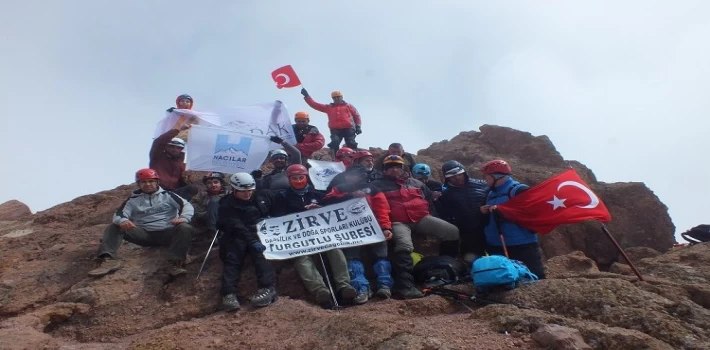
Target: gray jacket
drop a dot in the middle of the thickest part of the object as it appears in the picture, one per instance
(153, 212)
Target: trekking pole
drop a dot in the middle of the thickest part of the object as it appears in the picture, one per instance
(500, 234)
(207, 255)
(330, 287)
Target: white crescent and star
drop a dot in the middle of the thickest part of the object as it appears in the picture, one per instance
(287, 79)
(560, 202)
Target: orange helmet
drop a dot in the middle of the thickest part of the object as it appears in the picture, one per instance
(301, 115)
(146, 174)
(497, 166)
(336, 94)
(393, 159)
(296, 169)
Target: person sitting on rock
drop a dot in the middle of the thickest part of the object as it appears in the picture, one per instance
(343, 120)
(460, 205)
(396, 149)
(422, 172)
(152, 216)
(521, 243)
(362, 158)
(410, 205)
(238, 216)
(168, 159)
(207, 203)
(355, 186)
(308, 138)
(277, 180)
(300, 197)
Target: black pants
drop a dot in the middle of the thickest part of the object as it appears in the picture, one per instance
(472, 241)
(233, 251)
(529, 254)
(337, 135)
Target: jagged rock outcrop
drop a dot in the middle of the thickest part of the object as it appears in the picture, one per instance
(47, 300)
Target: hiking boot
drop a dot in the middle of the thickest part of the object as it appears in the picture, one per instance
(230, 302)
(324, 299)
(362, 297)
(177, 268)
(384, 292)
(264, 297)
(106, 266)
(347, 293)
(409, 292)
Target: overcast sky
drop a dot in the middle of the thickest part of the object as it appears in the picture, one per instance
(621, 86)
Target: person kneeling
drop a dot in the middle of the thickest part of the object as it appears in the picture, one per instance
(152, 216)
(237, 218)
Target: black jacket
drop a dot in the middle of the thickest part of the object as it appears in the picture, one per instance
(289, 202)
(237, 219)
(339, 179)
(461, 205)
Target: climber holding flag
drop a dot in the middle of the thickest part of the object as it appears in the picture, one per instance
(343, 118)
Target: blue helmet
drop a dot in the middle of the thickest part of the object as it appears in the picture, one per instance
(421, 170)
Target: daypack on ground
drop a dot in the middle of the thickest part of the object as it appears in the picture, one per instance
(697, 234)
(443, 267)
(493, 271)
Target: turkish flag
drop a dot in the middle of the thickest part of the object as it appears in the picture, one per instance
(563, 199)
(285, 77)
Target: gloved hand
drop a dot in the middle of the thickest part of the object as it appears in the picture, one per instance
(358, 130)
(170, 110)
(258, 247)
(257, 174)
(304, 92)
(276, 139)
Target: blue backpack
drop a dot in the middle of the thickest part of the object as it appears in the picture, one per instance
(498, 271)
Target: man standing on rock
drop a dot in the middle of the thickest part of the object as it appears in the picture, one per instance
(308, 138)
(151, 216)
(343, 120)
(167, 158)
(207, 203)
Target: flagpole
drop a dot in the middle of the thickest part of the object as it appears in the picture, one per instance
(618, 247)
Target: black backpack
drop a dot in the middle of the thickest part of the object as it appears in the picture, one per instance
(697, 234)
(439, 268)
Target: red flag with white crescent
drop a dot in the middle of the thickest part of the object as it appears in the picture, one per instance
(285, 77)
(563, 199)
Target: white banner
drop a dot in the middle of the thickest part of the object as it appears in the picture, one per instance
(227, 151)
(270, 119)
(343, 225)
(322, 172)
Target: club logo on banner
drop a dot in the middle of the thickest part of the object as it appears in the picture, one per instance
(227, 151)
(322, 173)
(347, 224)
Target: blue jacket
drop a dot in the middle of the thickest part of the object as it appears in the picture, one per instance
(513, 233)
(461, 205)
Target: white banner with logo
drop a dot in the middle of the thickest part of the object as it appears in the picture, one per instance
(322, 172)
(223, 150)
(343, 225)
(265, 119)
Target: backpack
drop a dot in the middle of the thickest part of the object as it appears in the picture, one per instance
(493, 271)
(697, 234)
(438, 268)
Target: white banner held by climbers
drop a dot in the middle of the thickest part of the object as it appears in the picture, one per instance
(322, 172)
(226, 151)
(343, 225)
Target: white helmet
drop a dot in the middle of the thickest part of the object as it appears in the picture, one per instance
(242, 182)
(177, 142)
(278, 152)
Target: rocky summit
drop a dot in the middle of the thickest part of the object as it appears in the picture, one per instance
(591, 299)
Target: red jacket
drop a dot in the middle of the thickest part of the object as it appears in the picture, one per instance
(376, 200)
(169, 169)
(340, 116)
(408, 199)
(309, 140)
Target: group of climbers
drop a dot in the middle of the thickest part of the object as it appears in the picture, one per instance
(460, 212)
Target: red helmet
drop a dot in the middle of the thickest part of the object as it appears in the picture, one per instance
(344, 152)
(146, 174)
(497, 166)
(296, 169)
(361, 154)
